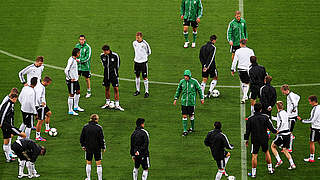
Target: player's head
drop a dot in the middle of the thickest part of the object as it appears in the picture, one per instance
(258, 107)
(313, 100)
(13, 97)
(253, 59)
(94, 118)
(213, 38)
(268, 79)
(39, 61)
(139, 36)
(82, 39)
(43, 151)
(34, 81)
(14, 91)
(46, 81)
(76, 52)
(279, 105)
(217, 125)
(285, 89)
(238, 15)
(140, 122)
(187, 74)
(243, 43)
(106, 49)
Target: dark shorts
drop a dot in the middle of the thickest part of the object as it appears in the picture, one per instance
(212, 71)
(256, 146)
(86, 74)
(7, 130)
(315, 135)
(220, 162)
(194, 24)
(27, 119)
(17, 148)
(143, 161)
(282, 141)
(73, 87)
(141, 68)
(244, 77)
(187, 110)
(114, 81)
(42, 111)
(97, 155)
(292, 122)
(254, 92)
(234, 48)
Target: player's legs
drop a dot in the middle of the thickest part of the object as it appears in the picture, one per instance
(38, 129)
(276, 154)
(28, 121)
(254, 163)
(47, 120)
(137, 162)
(107, 92)
(88, 87)
(269, 162)
(145, 79)
(213, 83)
(185, 123)
(116, 97)
(203, 84)
(88, 169)
(137, 85)
(289, 157)
(185, 33)
(194, 32)
(6, 149)
(145, 166)
(312, 146)
(252, 102)
(192, 123)
(76, 99)
(99, 169)
(146, 85)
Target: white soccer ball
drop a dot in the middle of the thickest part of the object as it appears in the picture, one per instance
(231, 178)
(53, 132)
(111, 104)
(215, 93)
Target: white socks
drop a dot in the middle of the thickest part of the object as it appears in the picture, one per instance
(252, 110)
(245, 89)
(6, 151)
(22, 127)
(108, 101)
(291, 162)
(219, 174)
(117, 103)
(21, 166)
(203, 87)
(47, 126)
(226, 160)
(30, 167)
(213, 85)
(99, 172)
(37, 134)
(254, 171)
(135, 173)
(76, 100)
(146, 85)
(88, 171)
(144, 174)
(28, 131)
(278, 158)
(270, 167)
(138, 84)
(70, 103)
(312, 156)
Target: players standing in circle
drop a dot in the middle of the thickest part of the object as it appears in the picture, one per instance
(242, 57)
(257, 126)
(71, 72)
(43, 110)
(141, 52)
(268, 96)
(190, 13)
(188, 88)
(315, 126)
(237, 30)
(27, 99)
(217, 141)
(33, 70)
(139, 150)
(111, 63)
(257, 73)
(84, 64)
(207, 58)
(92, 142)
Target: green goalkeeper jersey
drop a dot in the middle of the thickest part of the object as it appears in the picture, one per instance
(191, 9)
(85, 57)
(237, 30)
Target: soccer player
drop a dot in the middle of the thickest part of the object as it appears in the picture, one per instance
(190, 12)
(28, 151)
(268, 96)
(43, 110)
(84, 64)
(139, 150)
(92, 142)
(207, 59)
(141, 52)
(315, 126)
(188, 88)
(242, 57)
(27, 99)
(33, 70)
(217, 141)
(257, 73)
(292, 109)
(257, 126)
(7, 125)
(282, 139)
(71, 72)
(237, 30)
(111, 63)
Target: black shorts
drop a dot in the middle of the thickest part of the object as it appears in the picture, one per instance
(114, 81)
(7, 130)
(73, 87)
(220, 162)
(315, 135)
(282, 141)
(212, 71)
(256, 146)
(194, 24)
(234, 48)
(254, 92)
(292, 122)
(97, 155)
(86, 74)
(244, 77)
(189, 110)
(42, 111)
(17, 148)
(143, 161)
(28, 119)
(141, 68)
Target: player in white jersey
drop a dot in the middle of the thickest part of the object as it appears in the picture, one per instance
(315, 126)
(33, 70)
(43, 110)
(242, 58)
(283, 136)
(142, 51)
(72, 76)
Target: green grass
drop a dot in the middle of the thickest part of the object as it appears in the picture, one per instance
(282, 34)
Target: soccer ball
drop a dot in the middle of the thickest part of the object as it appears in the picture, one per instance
(111, 104)
(53, 132)
(215, 93)
(231, 178)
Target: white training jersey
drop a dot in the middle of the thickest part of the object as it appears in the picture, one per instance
(141, 51)
(292, 104)
(242, 57)
(71, 70)
(31, 71)
(27, 99)
(282, 122)
(314, 118)
(40, 94)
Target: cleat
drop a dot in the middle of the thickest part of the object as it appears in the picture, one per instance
(136, 93)
(186, 44)
(73, 113)
(190, 130)
(47, 131)
(22, 176)
(243, 101)
(78, 109)
(10, 160)
(88, 95)
(308, 160)
(33, 128)
(292, 167)
(225, 173)
(271, 172)
(12, 155)
(105, 106)
(41, 139)
(193, 45)
(119, 108)
(279, 163)
(36, 175)
(251, 175)
(146, 95)
(246, 98)
(319, 158)
(184, 133)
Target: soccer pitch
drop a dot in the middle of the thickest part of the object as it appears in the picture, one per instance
(283, 35)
